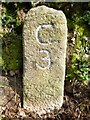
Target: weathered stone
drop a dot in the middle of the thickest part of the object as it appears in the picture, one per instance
(45, 38)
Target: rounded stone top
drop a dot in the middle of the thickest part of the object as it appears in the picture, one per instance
(41, 10)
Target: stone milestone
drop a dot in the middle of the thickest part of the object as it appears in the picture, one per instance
(45, 40)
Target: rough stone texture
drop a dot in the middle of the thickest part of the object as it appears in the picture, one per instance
(45, 38)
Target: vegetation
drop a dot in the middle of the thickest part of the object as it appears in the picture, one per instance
(78, 48)
(12, 52)
(78, 18)
(79, 68)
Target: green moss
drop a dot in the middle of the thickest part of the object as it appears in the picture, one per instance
(11, 52)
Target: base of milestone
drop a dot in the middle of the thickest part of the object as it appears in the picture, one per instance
(44, 107)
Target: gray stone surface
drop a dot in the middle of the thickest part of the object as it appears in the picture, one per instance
(45, 39)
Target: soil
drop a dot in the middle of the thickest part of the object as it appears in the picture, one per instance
(76, 104)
